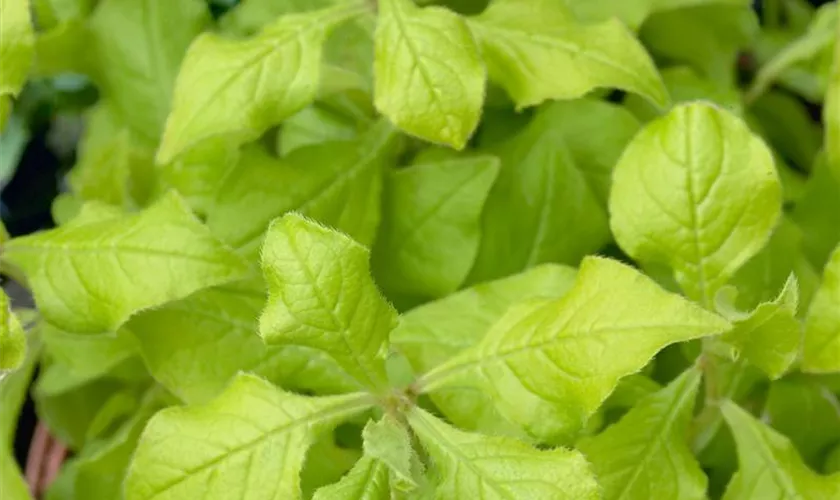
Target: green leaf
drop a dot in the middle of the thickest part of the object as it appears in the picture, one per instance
(368, 480)
(818, 37)
(707, 36)
(314, 125)
(221, 87)
(482, 467)
(769, 464)
(807, 413)
(788, 126)
(429, 78)
(727, 379)
(770, 336)
(321, 295)
(326, 463)
(684, 84)
(679, 196)
(430, 231)
(101, 466)
(17, 40)
(635, 12)
(831, 107)
(65, 48)
(90, 277)
(549, 203)
(70, 406)
(193, 347)
(646, 453)
(818, 213)
(434, 332)
(388, 442)
(537, 51)
(549, 364)
(253, 436)
(336, 183)
(138, 47)
(248, 16)
(89, 356)
(822, 326)
(759, 280)
(12, 338)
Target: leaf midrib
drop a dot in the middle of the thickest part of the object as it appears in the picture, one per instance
(651, 445)
(453, 449)
(450, 369)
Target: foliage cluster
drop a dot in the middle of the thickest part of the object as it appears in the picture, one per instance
(355, 249)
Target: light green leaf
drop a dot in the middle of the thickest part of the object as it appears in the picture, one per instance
(698, 191)
(221, 88)
(429, 78)
(321, 295)
(831, 107)
(368, 480)
(434, 332)
(549, 364)
(12, 484)
(549, 203)
(12, 338)
(537, 51)
(114, 165)
(336, 183)
(193, 347)
(138, 47)
(771, 335)
(200, 173)
(769, 464)
(430, 230)
(250, 442)
(482, 467)
(707, 36)
(13, 141)
(91, 277)
(65, 207)
(388, 442)
(818, 37)
(806, 412)
(822, 326)
(14, 388)
(17, 40)
(646, 453)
